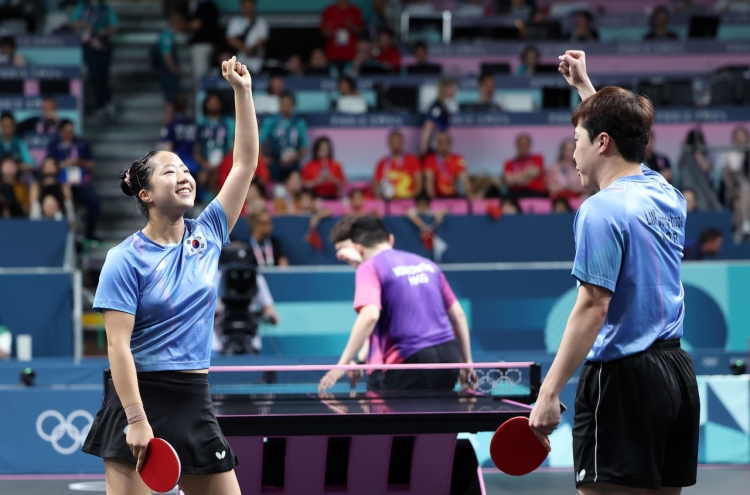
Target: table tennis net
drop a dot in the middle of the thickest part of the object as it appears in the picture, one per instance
(501, 380)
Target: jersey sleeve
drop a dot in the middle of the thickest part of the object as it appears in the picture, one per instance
(214, 219)
(302, 131)
(266, 130)
(600, 243)
(118, 284)
(445, 289)
(366, 287)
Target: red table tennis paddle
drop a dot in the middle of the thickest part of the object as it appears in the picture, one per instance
(161, 467)
(515, 449)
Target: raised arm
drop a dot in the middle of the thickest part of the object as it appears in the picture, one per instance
(246, 144)
(119, 328)
(573, 67)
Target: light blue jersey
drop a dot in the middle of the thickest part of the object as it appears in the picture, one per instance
(629, 239)
(171, 290)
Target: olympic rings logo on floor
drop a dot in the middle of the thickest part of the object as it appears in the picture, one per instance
(65, 427)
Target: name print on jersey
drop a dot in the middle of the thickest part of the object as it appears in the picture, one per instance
(667, 226)
(416, 273)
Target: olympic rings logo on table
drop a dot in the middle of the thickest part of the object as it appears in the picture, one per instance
(488, 379)
(65, 427)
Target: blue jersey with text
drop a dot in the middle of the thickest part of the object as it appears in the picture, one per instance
(629, 239)
(171, 290)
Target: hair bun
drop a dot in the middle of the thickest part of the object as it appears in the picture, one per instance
(125, 183)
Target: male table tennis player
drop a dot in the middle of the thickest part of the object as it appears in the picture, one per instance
(407, 311)
(637, 406)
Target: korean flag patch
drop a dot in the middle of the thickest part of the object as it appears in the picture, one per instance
(195, 243)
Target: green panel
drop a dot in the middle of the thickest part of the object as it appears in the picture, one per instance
(725, 445)
(313, 318)
(286, 5)
(738, 319)
(71, 56)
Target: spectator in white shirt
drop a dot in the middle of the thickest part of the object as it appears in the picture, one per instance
(248, 34)
(734, 166)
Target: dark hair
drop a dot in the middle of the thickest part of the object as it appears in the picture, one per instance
(63, 123)
(369, 231)
(658, 10)
(709, 234)
(695, 137)
(288, 94)
(564, 202)
(422, 196)
(626, 117)
(7, 115)
(512, 201)
(318, 144)
(385, 30)
(486, 75)
(180, 103)
(357, 190)
(8, 40)
(341, 230)
(527, 49)
(211, 94)
(352, 83)
(420, 44)
(140, 178)
(586, 14)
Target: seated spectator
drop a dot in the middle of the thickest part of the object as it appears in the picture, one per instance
(206, 36)
(529, 61)
(349, 99)
(524, 174)
(294, 66)
(562, 177)
(178, 136)
(445, 171)
(423, 65)
(49, 195)
(276, 86)
(285, 197)
(45, 124)
(660, 26)
(363, 61)
(561, 205)
(97, 21)
(341, 24)
(472, 8)
(11, 145)
(734, 166)
(377, 20)
(318, 64)
(284, 135)
(387, 53)
(8, 53)
(323, 175)
(424, 216)
(262, 175)
(214, 138)
(166, 61)
(247, 34)
(399, 175)
(256, 198)
(582, 30)
(657, 162)
(708, 244)
(14, 194)
(510, 206)
(308, 205)
(689, 196)
(356, 204)
(486, 101)
(76, 164)
(267, 249)
(438, 115)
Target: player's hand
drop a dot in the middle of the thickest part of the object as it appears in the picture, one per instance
(467, 377)
(137, 438)
(350, 255)
(330, 379)
(573, 67)
(236, 73)
(355, 376)
(544, 418)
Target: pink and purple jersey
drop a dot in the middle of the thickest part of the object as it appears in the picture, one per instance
(413, 297)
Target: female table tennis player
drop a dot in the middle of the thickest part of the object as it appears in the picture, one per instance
(158, 296)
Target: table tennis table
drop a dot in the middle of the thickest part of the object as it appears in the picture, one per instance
(292, 438)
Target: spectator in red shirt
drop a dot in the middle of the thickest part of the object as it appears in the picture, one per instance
(399, 175)
(341, 23)
(444, 170)
(524, 174)
(388, 54)
(262, 174)
(323, 175)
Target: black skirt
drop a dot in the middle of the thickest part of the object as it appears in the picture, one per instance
(179, 409)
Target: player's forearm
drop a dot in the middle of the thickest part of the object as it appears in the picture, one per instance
(123, 373)
(584, 324)
(246, 143)
(361, 331)
(585, 89)
(460, 325)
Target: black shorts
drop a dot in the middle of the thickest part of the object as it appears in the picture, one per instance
(447, 352)
(637, 420)
(179, 409)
